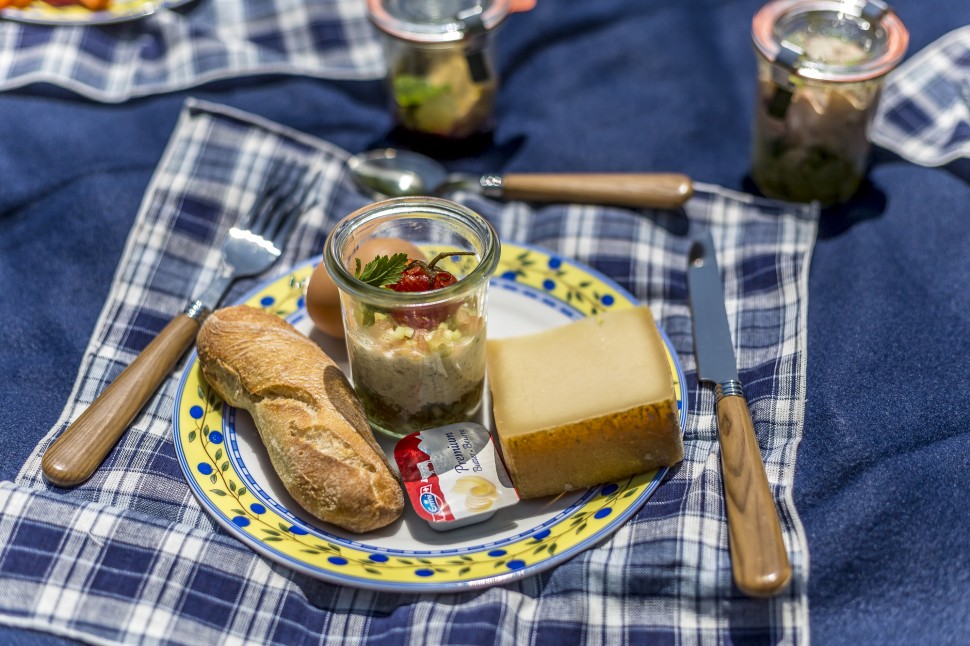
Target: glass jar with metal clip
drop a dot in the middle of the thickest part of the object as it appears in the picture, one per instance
(439, 58)
(821, 68)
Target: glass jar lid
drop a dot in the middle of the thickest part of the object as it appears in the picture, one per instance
(831, 40)
(436, 21)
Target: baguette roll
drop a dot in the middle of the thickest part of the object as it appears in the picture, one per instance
(308, 416)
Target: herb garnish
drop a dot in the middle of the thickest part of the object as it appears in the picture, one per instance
(414, 91)
(382, 270)
(388, 270)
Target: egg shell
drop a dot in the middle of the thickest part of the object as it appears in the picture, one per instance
(322, 295)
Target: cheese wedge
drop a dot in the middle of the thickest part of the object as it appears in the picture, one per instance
(585, 403)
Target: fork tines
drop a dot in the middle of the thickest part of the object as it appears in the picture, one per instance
(284, 193)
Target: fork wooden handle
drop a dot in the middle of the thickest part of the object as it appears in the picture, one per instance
(78, 452)
(639, 190)
(758, 557)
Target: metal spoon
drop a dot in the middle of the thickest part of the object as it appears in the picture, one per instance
(393, 173)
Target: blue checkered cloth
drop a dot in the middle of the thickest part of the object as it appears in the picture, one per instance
(924, 113)
(131, 557)
(205, 41)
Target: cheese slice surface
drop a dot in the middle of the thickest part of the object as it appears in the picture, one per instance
(585, 403)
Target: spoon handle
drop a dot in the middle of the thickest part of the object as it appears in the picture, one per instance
(641, 190)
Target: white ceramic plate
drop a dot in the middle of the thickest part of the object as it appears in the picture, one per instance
(230, 473)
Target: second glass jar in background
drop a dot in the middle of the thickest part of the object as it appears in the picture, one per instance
(417, 359)
(821, 67)
(439, 58)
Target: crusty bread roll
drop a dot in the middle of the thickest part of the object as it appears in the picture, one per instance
(308, 416)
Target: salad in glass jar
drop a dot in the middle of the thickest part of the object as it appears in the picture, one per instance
(415, 327)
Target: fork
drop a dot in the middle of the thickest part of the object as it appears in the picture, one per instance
(249, 249)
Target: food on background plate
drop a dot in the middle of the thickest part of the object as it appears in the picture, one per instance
(92, 5)
(421, 364)
(585, 403)
(308, 417)
(453, 475)
(322, 295)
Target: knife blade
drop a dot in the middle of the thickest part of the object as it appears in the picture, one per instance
(759, 561)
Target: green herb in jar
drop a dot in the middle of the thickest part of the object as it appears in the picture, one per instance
(382, 270)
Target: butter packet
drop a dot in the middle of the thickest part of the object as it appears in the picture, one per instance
(454, 475)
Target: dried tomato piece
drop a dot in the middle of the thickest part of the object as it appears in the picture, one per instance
(427, 318)
(443, 279)
(415, 279)
(420, 278)
(424, 277)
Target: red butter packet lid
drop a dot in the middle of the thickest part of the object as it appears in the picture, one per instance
(453, 475)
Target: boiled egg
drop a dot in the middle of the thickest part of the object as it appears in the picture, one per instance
(322, 295)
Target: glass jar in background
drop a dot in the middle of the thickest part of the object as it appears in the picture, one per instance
(417, 359)
(439, 59)
(821, 67)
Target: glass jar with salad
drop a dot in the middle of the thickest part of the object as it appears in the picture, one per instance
(821, 67)
(415, 326)
(439, 57)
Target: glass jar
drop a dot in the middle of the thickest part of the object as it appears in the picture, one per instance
(439, 60)
(821, 67)
(417, 359)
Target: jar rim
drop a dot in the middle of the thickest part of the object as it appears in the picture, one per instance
(769, 45)
(455, 30)
(416, 207)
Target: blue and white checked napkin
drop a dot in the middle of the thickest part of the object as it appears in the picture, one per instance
(203, 41)
(924, 113)
(130, 557)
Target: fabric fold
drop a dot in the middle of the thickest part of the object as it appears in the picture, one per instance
(210, 40)
(924, 113)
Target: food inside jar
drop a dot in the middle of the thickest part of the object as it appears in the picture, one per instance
(828, 49)
(816, 146)
(435, 93)
(418, 365)
(818, 150)
(410, 379)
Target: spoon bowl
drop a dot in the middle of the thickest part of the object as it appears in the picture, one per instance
(396, 173)
(390, 172)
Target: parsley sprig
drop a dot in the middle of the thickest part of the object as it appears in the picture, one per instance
(387, 270)
(382, 270)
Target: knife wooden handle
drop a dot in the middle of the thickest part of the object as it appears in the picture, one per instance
(639, 190)
(82, 447)
(758, 556)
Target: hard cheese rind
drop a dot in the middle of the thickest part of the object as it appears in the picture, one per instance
(585, 403)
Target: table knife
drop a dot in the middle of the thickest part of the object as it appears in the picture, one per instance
(759, 560)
